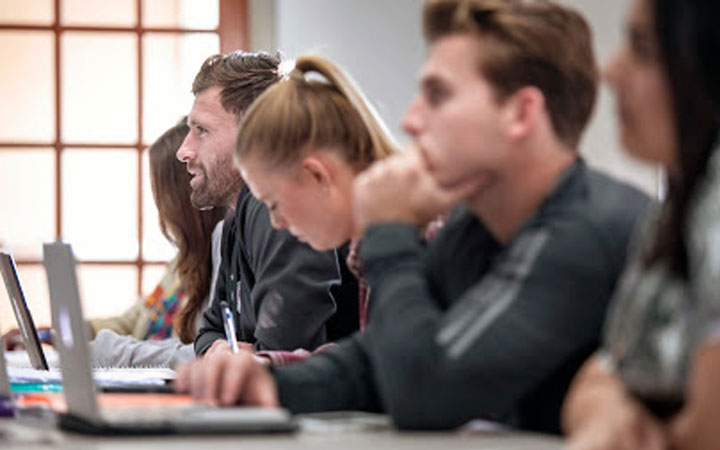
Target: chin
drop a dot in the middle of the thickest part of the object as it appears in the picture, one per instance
(448, 182)
(326, 244)
(319, 246)
(633, 147)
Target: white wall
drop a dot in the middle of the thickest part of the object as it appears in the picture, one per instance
(380, 43)
(601, 142)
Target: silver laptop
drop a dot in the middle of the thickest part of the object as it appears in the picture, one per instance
(7, 407)
(143, 380)
(4, 382)
(22, 313)
(83, 411)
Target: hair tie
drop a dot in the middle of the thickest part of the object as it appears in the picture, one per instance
(297, 75)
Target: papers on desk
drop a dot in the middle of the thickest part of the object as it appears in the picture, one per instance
(115, 376)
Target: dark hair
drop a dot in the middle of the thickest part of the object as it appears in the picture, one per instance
(242, 77)
(530, 43)
(182, 224)
(689, 42)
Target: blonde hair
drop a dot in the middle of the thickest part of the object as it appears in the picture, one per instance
(304, 111)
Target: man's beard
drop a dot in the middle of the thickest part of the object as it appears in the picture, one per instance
(220, 191)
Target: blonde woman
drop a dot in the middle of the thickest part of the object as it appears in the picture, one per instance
(299, 148)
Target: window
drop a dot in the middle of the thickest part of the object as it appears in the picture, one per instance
(86, 86)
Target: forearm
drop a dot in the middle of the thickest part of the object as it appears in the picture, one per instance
(112, 350)
(339, 378)
(420, 388)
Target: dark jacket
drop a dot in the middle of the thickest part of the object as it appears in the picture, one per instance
(470, 328)
(284, 294)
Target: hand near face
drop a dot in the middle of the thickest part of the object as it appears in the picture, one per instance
(223, 378)
(401, 189)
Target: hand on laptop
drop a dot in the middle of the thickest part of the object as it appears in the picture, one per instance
(224, 378)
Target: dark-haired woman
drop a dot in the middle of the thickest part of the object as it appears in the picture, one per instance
(654, 384)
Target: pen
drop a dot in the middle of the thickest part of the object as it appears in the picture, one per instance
(229, 325)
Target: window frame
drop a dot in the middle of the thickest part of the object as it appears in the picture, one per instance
(232, 31)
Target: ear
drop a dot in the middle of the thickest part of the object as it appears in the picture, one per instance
(525, 108)
(317, 171)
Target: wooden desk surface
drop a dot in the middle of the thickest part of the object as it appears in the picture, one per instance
(15, 436)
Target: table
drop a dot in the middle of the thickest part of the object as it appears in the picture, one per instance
(16, 436)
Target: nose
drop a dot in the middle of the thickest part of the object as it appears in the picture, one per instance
(411, 121)
(613, 69)
(185, 152)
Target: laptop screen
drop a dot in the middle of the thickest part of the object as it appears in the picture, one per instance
(22, 313)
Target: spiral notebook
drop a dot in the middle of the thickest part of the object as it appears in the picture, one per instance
(84, 412)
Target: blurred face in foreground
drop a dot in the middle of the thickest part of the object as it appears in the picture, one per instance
(644, 105)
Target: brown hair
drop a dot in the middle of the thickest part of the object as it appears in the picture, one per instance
(304, 111)
(185, 226)
(530, 43)
(242, 76)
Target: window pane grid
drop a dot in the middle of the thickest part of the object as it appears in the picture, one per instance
(60, 145)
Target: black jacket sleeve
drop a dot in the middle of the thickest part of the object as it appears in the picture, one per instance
(211, 324)
(539, 307)
(337, 379)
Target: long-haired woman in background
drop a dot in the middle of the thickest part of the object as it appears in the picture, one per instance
(654, 384)
(159, 329)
